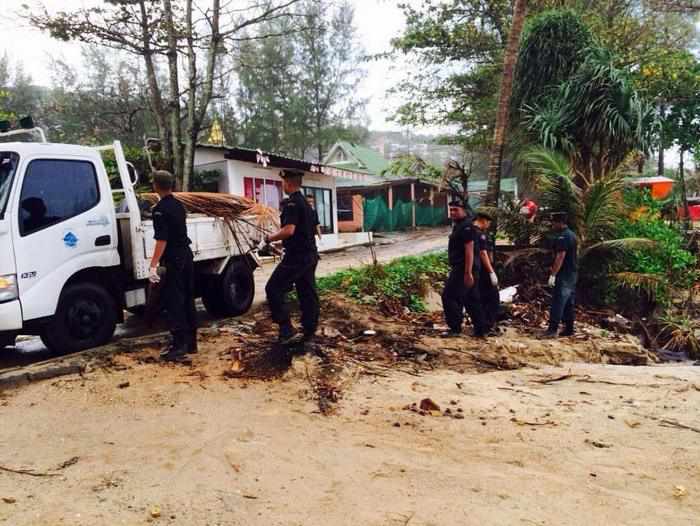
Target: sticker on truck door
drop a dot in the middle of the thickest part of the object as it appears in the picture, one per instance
(70, 240)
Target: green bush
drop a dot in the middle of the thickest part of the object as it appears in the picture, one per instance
(402, 280)
(667, 259)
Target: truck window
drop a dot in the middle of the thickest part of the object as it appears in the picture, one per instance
(8, 166)
(54, 191)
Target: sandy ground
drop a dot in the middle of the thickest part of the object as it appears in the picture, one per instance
(177, 446)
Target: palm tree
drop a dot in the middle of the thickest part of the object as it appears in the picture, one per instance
(595, 118)
(499, 136)
(594, 207)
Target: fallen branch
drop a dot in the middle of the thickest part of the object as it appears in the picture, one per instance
(551, 380)
(28, 472)
(518, 391)
(673, 423)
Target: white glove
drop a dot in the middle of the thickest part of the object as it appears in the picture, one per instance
(552, 280)
(153, 276)
(494, 279)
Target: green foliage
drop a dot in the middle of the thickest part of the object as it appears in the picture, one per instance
(400, 281)
(298, 89)
(411, 166)
(552, 48)
(667, 258)
(595, 118)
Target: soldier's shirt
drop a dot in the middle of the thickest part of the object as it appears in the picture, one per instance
(463, 232)
(170, 225)
(296, 211)
(566, 242)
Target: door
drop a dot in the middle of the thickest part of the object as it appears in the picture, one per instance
(64, 225)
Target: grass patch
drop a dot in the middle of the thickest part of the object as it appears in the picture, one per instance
(401, 283)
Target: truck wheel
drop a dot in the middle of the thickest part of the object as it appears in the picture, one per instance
(86, 317)
(231, 294)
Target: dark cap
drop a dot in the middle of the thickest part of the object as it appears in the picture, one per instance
(287, 174)
(559, 217)
(483, 214)
(457, 203)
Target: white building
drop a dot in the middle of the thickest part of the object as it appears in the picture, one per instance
(255, 175)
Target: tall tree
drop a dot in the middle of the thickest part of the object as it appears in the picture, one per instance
(503, 112)
(330, 71)
(297, 92)
(177, 33)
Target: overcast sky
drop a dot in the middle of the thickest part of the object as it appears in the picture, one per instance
(377, 21)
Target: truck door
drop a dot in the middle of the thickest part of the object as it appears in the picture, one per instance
(65, 223)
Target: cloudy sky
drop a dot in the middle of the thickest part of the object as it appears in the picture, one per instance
(378, 21)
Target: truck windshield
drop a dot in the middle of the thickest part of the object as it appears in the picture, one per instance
(8, 167)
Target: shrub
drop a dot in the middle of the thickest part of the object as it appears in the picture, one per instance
(402, 281)
(668, 260)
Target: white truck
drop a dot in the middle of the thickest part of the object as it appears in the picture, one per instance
(70, 264)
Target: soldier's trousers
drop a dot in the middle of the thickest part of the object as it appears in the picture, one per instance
(295, 272)
(177, 297)
(456, 298)
(490, 300)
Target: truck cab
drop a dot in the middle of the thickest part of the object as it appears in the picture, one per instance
(70, 264)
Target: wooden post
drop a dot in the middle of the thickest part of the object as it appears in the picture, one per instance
(413, 205)
(432, 197)
(390, 197)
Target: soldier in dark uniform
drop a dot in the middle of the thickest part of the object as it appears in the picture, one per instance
(488, 280)
(298, 266)
(563, 277)
(173, 252)
(461, 289)
(317, 224)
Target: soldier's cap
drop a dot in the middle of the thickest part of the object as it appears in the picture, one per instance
(285, 174)
(458, 203)
(480, 213)
(558, 217)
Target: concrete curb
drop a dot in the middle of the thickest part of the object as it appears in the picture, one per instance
(16, 379)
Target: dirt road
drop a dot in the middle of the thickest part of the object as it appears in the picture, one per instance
(30, 350)
(171, 448)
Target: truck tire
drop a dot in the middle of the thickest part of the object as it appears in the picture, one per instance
(86, 317)
(232, 293)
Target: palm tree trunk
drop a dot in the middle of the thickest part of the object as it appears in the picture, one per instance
(684, 192)
(499, 136)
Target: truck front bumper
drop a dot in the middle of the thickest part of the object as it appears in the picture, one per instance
(10, 316)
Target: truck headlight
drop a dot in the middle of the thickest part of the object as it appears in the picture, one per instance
(8, 288)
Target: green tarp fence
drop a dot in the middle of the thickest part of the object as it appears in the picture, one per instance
(378, 217)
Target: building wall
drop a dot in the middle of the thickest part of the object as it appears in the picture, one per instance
(358, 216)
(234, 173)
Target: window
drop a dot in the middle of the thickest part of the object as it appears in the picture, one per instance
(54, 191)
(324, 206)
(345, 207)
(8, 167)
(265, 191)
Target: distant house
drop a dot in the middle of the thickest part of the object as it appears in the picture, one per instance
(255, 174)
(370, 201)
(357, 159)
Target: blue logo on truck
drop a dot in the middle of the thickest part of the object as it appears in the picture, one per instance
(70, 240)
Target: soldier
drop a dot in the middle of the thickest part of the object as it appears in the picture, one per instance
(317, 224)
(461, 289)
(563, 277)
(173, 252)
(488, 280)
(298, 266)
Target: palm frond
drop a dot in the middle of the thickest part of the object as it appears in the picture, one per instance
(517, 255)
(647, 283)
(616, 246)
